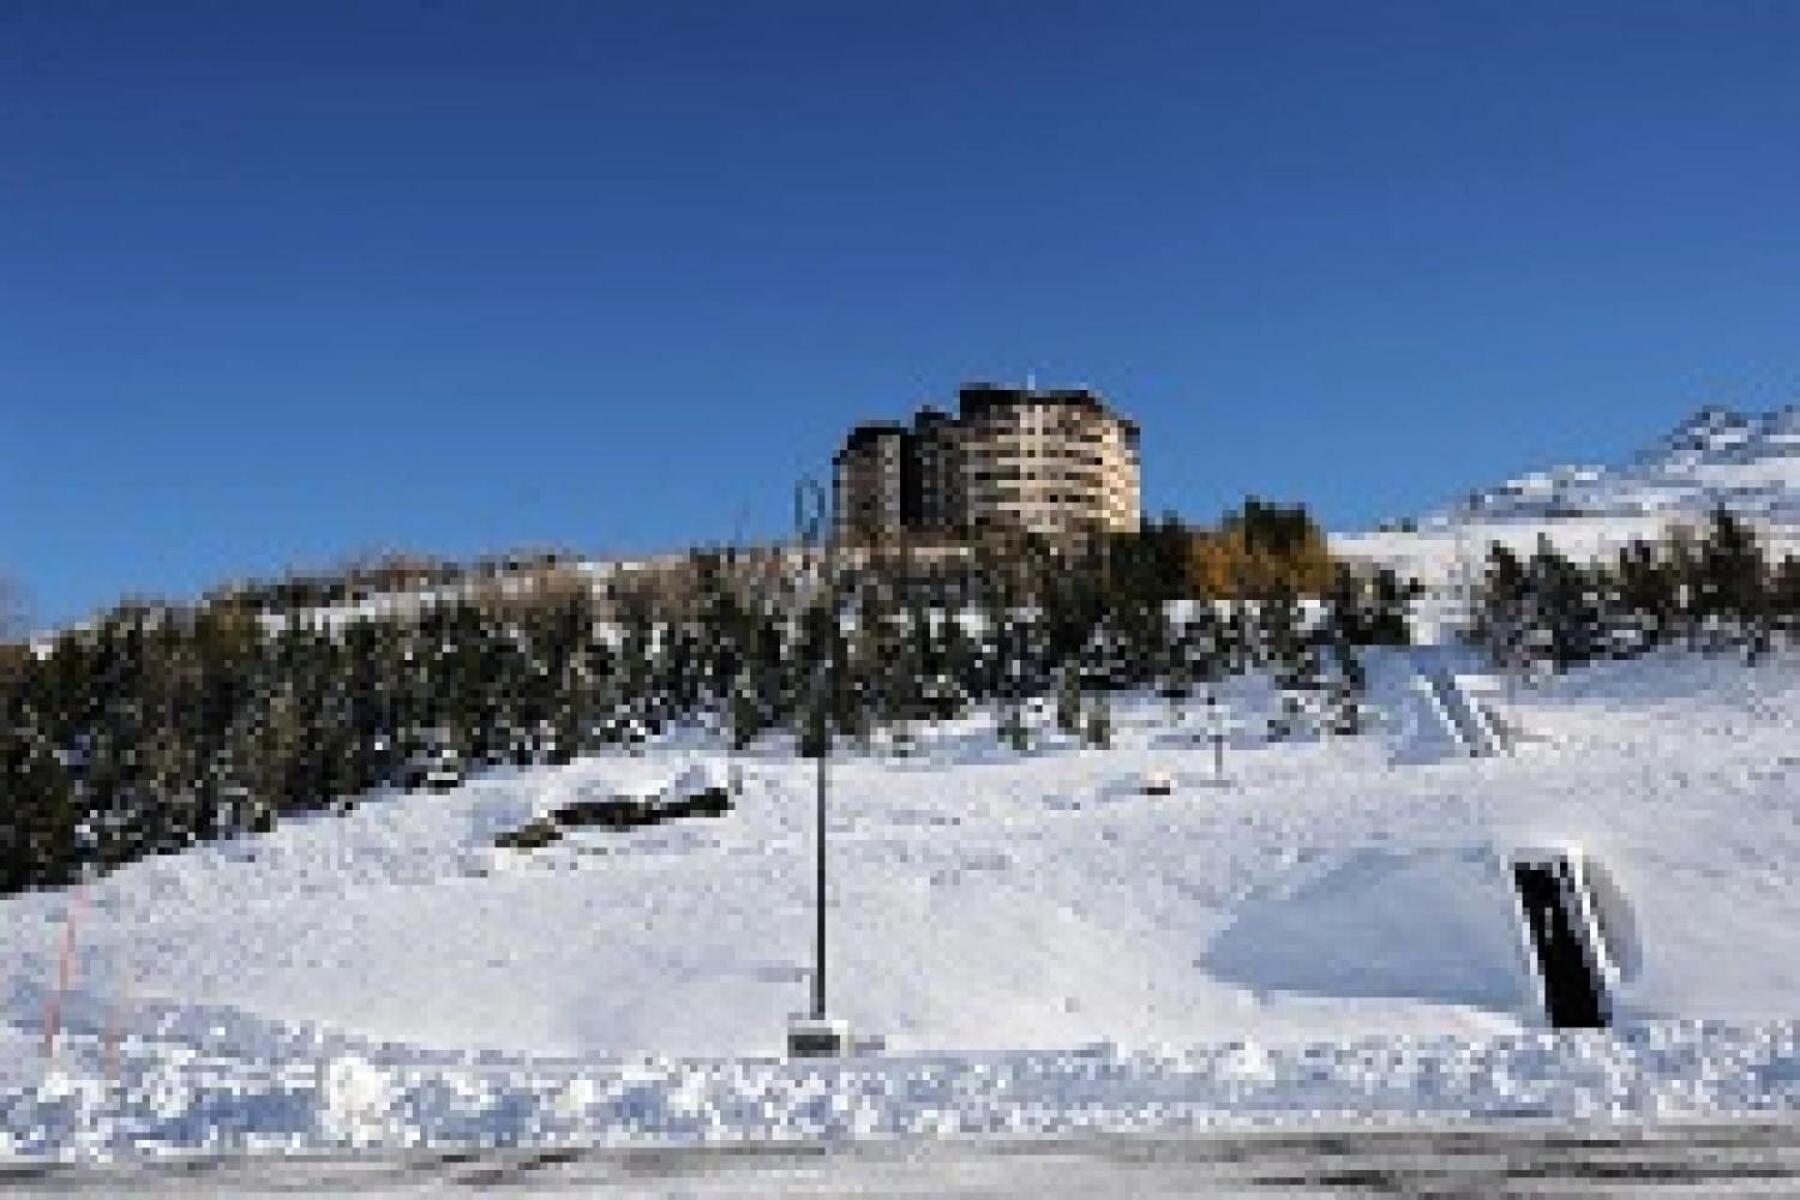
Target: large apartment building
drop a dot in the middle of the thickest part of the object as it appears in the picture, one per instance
(1058, 462)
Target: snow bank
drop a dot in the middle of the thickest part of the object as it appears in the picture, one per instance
(166, 1100)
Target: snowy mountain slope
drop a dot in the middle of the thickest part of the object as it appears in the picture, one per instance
(1748, 462)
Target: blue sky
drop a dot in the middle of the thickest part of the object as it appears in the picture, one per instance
(281, 283)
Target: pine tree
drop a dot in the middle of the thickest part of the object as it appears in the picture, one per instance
(1278, 628)
(1390, 622)
(1011, 728)
(746, 716)
(1099, 731)
(1647, 595)
(1733, 574)
(1347, 607)
(1560, 623)
(1784, 598)
(1686, 561)
(1346, 692)
(1068, 701)
(1502, 610)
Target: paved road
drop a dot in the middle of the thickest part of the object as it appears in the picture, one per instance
(1513, 1160)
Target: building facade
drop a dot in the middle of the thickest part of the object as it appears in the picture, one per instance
(1056, 462)
(872, 477)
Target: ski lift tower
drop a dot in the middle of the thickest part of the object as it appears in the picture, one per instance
(815, 1035)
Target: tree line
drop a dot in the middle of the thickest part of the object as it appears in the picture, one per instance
(1715, 589)
(156, 726)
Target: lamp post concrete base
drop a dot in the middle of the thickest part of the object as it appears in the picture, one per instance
(810, 1037)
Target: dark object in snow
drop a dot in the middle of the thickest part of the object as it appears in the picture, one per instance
(437, 775)
(1565, 938)
(531, 836)
(819, 1037)
(619, 812)
(713, 802)
(694, 793)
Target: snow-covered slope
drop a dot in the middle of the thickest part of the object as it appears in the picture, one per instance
(983, 903)
(1748, 462)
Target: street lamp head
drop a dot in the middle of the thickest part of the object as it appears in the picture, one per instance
(812, 512)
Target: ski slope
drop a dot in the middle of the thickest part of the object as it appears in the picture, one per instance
(1039, 945)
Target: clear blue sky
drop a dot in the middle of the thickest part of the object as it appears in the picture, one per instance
(282, 282)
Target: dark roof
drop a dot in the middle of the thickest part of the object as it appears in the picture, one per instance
(977, 398)
(869, 433)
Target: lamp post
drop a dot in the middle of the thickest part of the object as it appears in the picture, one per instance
(1218, 725)
(816, 1036)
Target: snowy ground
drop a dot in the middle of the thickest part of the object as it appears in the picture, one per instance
(1457, 551)
(1042, 947)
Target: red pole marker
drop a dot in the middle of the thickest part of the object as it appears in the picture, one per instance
(65, 968)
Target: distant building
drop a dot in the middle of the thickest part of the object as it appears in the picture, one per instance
(874, 477)
(942, 498)
(1057, 462)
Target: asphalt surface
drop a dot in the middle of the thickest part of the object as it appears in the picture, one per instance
(1509, 1160)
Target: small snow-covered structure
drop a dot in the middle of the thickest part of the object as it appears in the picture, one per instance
(1578, 934)
(696, 780)
(1441, 925)
(1437, 926)
(1439, 714)
(1617, 922)
(702, 789)
(1468, 723)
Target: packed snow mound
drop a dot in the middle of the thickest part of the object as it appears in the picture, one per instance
(1435, 926)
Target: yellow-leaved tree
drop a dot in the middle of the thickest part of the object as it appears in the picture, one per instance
(1258, 549)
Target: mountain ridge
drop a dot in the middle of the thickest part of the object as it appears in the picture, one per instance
(1747, 461)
